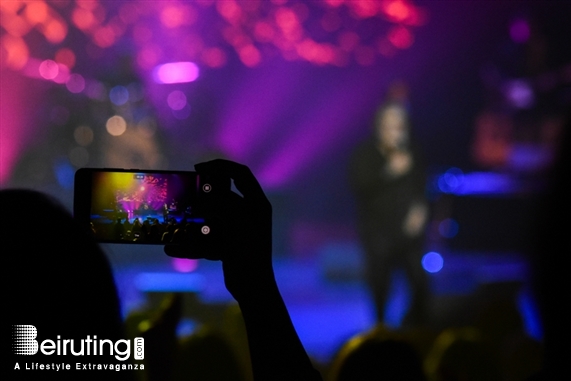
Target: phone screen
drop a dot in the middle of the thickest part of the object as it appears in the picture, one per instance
(123, 206)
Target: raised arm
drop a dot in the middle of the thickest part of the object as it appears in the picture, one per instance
(275, 349)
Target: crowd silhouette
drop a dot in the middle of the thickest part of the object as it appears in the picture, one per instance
(65, 286)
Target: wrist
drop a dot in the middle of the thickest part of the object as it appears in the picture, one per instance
(259, 293)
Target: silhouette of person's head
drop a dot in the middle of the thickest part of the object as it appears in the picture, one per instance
(61, 280)
(372, 357)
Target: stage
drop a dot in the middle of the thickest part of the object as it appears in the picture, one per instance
(324, 293)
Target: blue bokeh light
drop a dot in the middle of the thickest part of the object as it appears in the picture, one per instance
(529, 310)
(64, 174)
(119, 95)
(432, 262)
(448, 228)
(186, 327)
(450, 180)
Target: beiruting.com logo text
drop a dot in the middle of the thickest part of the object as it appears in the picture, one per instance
(24, 343)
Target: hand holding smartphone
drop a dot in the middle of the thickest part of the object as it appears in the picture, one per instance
(132, 206)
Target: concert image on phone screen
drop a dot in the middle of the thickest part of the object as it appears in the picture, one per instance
(142, 207)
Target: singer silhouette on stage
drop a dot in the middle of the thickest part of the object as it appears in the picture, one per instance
(388, 181)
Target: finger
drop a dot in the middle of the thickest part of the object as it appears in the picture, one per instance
(181, 251)
(189, 251)
(244, 179)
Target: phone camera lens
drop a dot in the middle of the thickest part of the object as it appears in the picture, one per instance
(206, 188)
(205, 230)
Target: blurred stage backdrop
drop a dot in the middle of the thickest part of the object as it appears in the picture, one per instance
(289, 88)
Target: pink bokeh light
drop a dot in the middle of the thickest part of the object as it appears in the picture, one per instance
(176, 72)
(184, 265)
(49, 69)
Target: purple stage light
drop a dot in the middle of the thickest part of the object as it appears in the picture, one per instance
(257, 125)
(75, 83)
(63, 74)
(176, 72)
(520, 31)
(183, 265)
(254, 109)
(322, 132)
(519, 93)
(176, 100)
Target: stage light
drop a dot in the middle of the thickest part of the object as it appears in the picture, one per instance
(75, 83)
(230, 10)
(83, 18)
(214, 57)
(186, 327)
(176, 72)
(148, 57)
(83, 135)
(49, 69)
(397, 10)
(519, 93)
(400, 37)
(174, 16)
(64, 174)
(184, 265)
(263, 31)
(169, 282)
(487, 183)
(55, 31)
(249, 55)
(36, 12)
(119, 95)
(62, 74)
(520, 31)
(116, 125)
(17, 52)
(363, 9)
(66, 57)
(176, 100)
(432, 262)
(450, 180)
(105, 37)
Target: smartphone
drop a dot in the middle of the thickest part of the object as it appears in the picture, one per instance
(133, 206)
